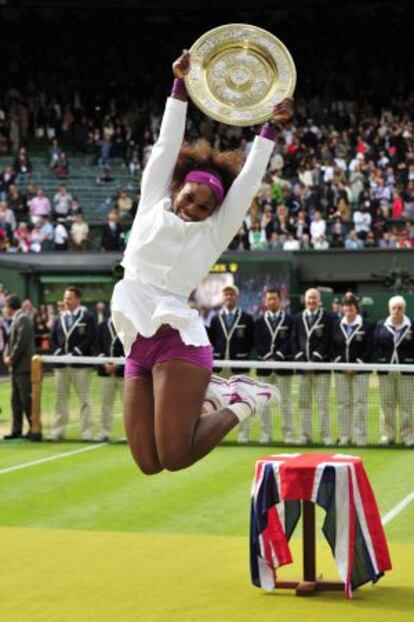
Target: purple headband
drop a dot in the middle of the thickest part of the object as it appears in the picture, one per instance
(210, 180)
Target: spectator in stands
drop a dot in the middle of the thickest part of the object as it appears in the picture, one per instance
(124, 204)
(22, 166)
(394, 344)
(22, 237)
(73, 333)
(18, 357)
(54, 153)
(231, 335)
(317, 227)
(62, 203)
(311, 338)
(5, 225)
(39, 206)
(321, 243)
(7, 215)
(61, 237)
(7, 179)
(16, 201)
(42, 236)
(353, 242)
(105, 147)
(362, 222)
(79, 232)
(291, 244)
(352, 341)
(112, 376)
(257, 237)
(397, 210)
(112, 233)
(62, 166)
(272, 342)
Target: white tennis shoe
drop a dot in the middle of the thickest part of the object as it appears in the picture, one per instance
(257, 395)
(218, 394)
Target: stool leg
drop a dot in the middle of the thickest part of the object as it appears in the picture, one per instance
(309, 544)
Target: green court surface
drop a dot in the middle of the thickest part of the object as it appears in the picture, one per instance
(85, 537)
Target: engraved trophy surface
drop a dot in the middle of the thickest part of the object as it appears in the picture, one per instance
(238, 73)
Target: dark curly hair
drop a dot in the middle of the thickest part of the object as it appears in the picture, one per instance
(201, 156)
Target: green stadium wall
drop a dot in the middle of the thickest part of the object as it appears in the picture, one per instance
(374, 275)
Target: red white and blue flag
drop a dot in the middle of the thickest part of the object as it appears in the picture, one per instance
(352, 526)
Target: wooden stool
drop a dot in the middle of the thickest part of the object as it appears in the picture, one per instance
(309, 584)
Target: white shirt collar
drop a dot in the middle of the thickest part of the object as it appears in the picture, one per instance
(356, 322)
(406, 322)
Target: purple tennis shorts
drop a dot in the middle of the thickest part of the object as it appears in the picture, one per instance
(165, 345)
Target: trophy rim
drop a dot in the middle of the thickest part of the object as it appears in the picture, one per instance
(272, 99)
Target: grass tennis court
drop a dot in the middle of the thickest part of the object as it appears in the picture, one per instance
(85, 537)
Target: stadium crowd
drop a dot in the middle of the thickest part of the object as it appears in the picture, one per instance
(341, 334)
(341, 176)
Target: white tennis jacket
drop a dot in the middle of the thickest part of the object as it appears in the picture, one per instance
(166, 257)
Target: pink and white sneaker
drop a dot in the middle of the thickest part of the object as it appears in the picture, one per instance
(218, 394)
(257, 395)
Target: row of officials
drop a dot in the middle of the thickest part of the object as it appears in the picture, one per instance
(314, 335)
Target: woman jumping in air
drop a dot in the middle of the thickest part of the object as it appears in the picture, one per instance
(193, 200)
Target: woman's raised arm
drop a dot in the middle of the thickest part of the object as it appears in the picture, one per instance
(229, 216)
(157, 176)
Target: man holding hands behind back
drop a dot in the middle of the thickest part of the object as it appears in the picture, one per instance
(73, 333)
(311, 340)
(272, 341)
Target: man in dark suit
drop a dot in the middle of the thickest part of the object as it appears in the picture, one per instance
(231, 335)
(113, 235)
(73, 333)
(311, 338)
(273, 342)
(18, 357)
(112, 375)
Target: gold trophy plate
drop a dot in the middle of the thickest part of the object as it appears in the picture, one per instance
(238, 73)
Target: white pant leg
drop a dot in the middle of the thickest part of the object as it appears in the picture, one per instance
(62, 388)
(322, 384)
(306, 384)
(284, 384)
(388, 404)
(108, 395)
(244, 430)
(343, 385)
(405, 400)
(360, 408)
(81, 378)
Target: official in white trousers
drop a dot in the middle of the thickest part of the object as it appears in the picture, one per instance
(80, 378)
(311, 335)
(352, 341)
(272, 343)
(394, 344)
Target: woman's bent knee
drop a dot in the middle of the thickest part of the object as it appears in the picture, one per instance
(150, 469)
(147, 464)
(175, 461)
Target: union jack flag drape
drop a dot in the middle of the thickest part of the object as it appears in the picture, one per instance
(352, 525)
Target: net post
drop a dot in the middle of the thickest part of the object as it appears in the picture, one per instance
(36, 379)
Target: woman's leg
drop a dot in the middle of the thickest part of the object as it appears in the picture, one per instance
(182, 434)
(139, 423)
